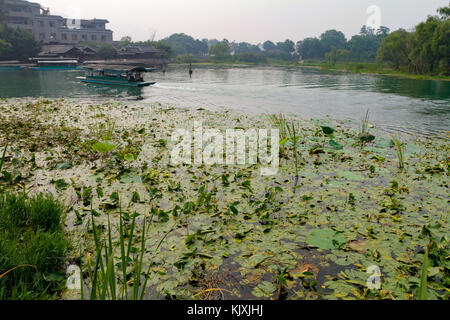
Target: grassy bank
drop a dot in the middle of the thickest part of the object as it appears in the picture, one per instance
(33, 247)
(347, 197)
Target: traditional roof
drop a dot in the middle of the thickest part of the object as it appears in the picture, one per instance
(61, 49)
(138, 48)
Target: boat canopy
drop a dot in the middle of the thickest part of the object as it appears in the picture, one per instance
(117, 68)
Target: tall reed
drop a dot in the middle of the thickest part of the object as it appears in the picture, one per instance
(399, 150)
(105, 282)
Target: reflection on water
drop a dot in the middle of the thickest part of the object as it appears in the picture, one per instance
(396, 104)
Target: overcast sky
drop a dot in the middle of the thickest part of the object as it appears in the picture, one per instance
(244, 20)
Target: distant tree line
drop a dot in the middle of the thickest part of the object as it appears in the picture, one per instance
(425, 50)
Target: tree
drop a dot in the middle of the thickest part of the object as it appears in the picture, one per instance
(287, 47)
(184, 44)
(424, 51)
(269, 46)
(364, 47)
(395, 49)
(335, 55)
(221, 50)
(444, 12)
(245, 47)
(124, 41)
(310, 48)
(22, 42)
(5, 49)
(107, 51)
(333, 38)
(165, 49)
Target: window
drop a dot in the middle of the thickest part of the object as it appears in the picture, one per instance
(94, 37)
(51, 24)
(41, 23)
(64, 36)
(53, 36)
(84, 37)
(103, 38)
(74, 37)
(42, 36)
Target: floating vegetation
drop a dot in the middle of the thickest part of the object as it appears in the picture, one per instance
(337, 206)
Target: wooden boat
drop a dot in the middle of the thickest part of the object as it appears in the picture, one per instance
(117, 76)
(56, 65)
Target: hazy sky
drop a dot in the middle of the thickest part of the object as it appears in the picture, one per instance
(244, 20)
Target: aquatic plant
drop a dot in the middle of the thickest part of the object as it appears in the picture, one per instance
(105, 283)
(104, 130)
(399, 150)
(364, 135)
(293, 135)
(364, 126)
(2, 160)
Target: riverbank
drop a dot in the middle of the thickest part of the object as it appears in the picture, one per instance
(361, 68)
(338, 205)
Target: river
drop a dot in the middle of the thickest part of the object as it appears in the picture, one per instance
(395, 104)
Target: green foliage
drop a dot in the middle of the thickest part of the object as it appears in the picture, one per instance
(184, 44)
(107, 51)
(124, 41)
(394, 49)
(245, 47)
(103, 147)
(314, 48)
(5, 48)
(164, 48)
(336, 55)
(250, 57)
(33, 247)
(325, 239)
(105, 282)
(364, 47)
(220, 51)
(17, 44)
(185, 58)
(424, 51)
(400, 151)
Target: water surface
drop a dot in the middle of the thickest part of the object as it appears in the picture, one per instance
(395, 104)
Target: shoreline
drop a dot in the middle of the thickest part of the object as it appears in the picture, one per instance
(325, 68)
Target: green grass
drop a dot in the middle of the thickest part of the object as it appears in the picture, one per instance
(33, 247)
(373, 68)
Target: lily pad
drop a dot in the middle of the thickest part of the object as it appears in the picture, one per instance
(325, 239)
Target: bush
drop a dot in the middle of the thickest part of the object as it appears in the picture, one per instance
(32, 239)
(250, 57)
(107, 51)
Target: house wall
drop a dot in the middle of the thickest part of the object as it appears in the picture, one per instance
(54, 29)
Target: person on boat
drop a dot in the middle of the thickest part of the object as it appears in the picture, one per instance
(190, 70)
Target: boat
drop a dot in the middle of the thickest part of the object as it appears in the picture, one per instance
(119, 75)
(5, 67)
(56, 65)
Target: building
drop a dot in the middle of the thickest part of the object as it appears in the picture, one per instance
(59, 51)
(52, 28)
(134, 51)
